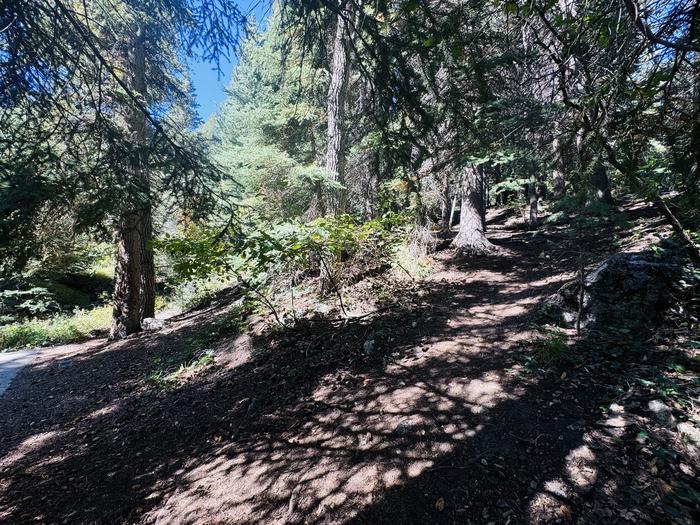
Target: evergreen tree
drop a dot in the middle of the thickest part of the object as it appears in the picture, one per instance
(87, 90)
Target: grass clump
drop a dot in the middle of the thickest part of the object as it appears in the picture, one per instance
(174, 369)
(233, 322)
(406, 264)
(552, 350)
(165, 378)
(81, 325)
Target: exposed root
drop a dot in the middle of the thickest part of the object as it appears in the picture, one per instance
(480, 246)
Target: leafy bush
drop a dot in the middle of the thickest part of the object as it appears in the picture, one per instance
(193, 293)
(262, 252)
(31, 302)
(82, 325)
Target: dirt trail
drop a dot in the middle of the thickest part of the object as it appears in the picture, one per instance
(436, 421)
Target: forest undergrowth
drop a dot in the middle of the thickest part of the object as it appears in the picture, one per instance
(439, 398)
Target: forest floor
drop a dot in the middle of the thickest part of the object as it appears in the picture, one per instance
(429, 410)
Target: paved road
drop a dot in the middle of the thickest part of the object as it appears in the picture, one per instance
(11, 363)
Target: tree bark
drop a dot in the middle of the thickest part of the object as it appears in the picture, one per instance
(558, 174)
(601, 183)
(533, 199)
(471, 237)
(693, 176)
(134, 289)
(445, 204)
(599, 180)
(337, 93)
(372, 188)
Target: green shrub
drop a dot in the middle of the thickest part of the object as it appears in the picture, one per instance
(31, 302)
(62, 329)
(265, 254)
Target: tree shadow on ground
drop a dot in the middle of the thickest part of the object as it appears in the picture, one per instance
(438, 420)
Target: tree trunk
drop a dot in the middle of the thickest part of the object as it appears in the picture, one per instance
(128, 307)
(369, 205)
(692, 182)
(445, 204)
(471, 237)
(601, 183)
(558, 174)
(533, 198)
(134, 289)
(453, 207)
(599, 180)
(148, 269)
(337, 92)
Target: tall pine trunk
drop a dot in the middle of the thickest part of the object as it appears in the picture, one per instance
(471, 237)
(599, 180)
(134, 289)
(445, 211)
(533, 199)
(558, 173)
(337, 93)
(601, 183)
(692, 181)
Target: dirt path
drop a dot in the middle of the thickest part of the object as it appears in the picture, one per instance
(11, 363)
(437, 420)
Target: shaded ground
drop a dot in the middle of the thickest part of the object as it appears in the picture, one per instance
(441, 420)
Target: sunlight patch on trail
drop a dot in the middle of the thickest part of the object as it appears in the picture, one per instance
(363, 443)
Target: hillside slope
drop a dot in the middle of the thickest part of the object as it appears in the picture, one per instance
(433, 409)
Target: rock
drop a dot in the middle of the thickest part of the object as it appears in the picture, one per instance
(404, 427)
(65, 363)
(152, 324)
(252, 407)
(368, 347)
(322, 309)
(618, 421)
(662, 412)
(632, 290)
(689, 432)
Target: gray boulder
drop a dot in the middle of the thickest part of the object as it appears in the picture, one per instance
(628, 289)
(152, 324)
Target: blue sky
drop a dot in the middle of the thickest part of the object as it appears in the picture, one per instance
(209, 87)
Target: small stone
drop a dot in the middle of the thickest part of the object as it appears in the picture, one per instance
(322, 309)
(662, 412)
(252, 406)
(616, 409)
(685, 469)
(369, 347)
(615, 422)
(689, 432)
(403, 428)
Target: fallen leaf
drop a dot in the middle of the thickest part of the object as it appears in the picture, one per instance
(565, 512)
(440, 504)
